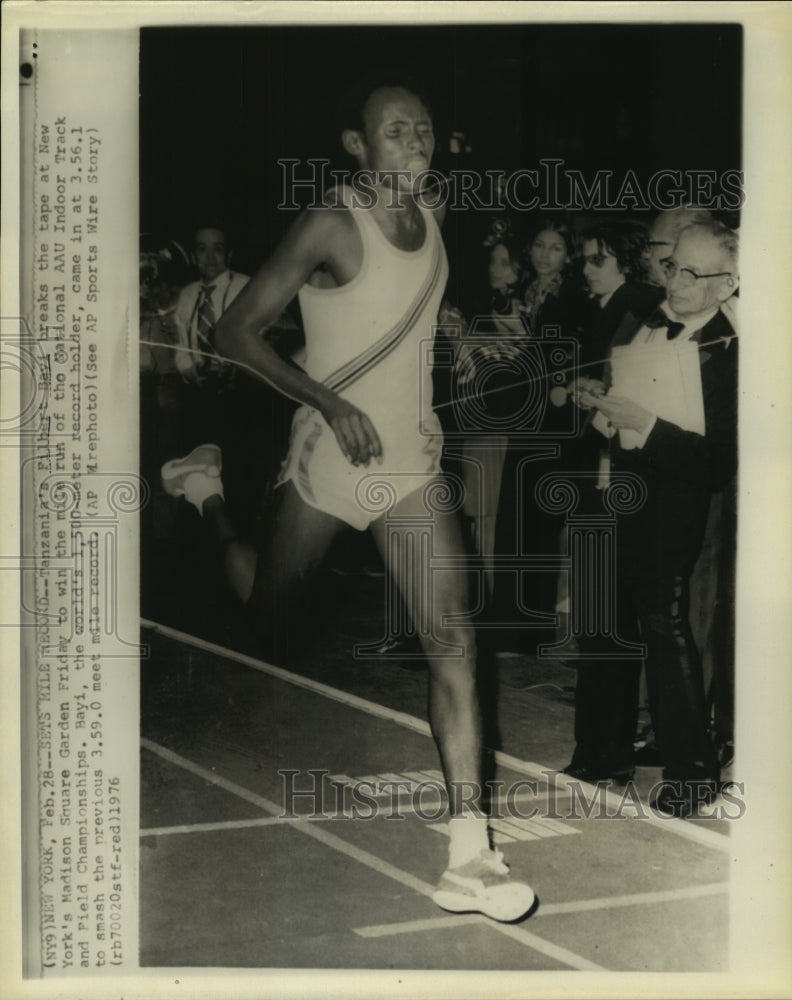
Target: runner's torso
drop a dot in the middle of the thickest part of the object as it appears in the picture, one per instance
(369, 339)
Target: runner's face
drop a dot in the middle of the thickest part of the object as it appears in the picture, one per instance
(398, 135)
(211, 254)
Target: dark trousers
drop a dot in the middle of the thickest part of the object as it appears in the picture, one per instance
(655, 613)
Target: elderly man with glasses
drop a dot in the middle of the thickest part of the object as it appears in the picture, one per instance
(663, 234)
(669, 410)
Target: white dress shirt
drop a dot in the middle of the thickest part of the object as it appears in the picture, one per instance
(226, 287)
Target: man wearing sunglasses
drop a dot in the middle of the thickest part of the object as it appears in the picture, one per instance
(670, 414)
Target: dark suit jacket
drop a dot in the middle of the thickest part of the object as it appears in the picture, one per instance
(681, 469)
(568, 310)
(627, 302)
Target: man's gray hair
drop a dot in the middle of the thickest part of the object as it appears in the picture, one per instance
(683, 216)
(727, 239)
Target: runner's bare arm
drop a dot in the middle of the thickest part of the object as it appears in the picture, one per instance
(318, 237)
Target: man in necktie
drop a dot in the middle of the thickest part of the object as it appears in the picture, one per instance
(220, 402)
(210, 410)
(660, 320)
(670, 414)
(202, 303)
(204, 328)
(712, 581)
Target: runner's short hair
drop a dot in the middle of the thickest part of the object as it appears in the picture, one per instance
(349, 113)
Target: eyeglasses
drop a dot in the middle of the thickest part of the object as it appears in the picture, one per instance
(687, 276)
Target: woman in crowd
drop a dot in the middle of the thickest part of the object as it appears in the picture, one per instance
(553, 296)
(553, 303)
(484, 358)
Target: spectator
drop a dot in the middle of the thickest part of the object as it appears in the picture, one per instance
(670, 416)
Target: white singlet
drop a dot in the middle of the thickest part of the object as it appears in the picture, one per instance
(370, 341)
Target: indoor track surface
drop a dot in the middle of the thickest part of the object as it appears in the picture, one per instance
(238, 871)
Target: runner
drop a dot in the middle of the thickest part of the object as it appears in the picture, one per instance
(370, 270)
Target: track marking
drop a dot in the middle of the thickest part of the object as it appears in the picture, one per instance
(231, 824)
(386, 812)
(416, 926)
(513, 931)
(370, 707)
(318, 832)
(555, 951)
(636, 899)
(681, 828)
(552, 909)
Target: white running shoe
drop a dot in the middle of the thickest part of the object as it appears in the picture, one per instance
(201, 469)
(483, 885)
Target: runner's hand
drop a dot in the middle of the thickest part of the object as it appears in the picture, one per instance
(353, 430)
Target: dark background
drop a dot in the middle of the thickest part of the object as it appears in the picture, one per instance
(220, 106)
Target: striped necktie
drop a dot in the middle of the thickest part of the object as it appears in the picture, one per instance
(205, 323)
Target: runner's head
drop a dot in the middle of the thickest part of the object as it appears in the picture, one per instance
(386, 125)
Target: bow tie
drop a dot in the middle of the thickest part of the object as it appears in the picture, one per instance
(659, 319)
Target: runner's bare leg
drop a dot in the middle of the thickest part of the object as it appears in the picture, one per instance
(454, 713)
(272, 582)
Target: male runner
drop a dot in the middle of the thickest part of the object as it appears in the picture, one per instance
(370, 282)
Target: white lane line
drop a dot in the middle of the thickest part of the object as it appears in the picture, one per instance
(681, 828)
(510, 930)
(550, 909)
(231, 824)
(386, 812)
(635, 899)
(514, 931)
(563, 955)
(370, 707)
(416, 926)
(303, 826)
(555, 951)
(242, 824)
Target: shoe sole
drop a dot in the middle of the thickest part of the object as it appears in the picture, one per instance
(497, 910)
(172, 471)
